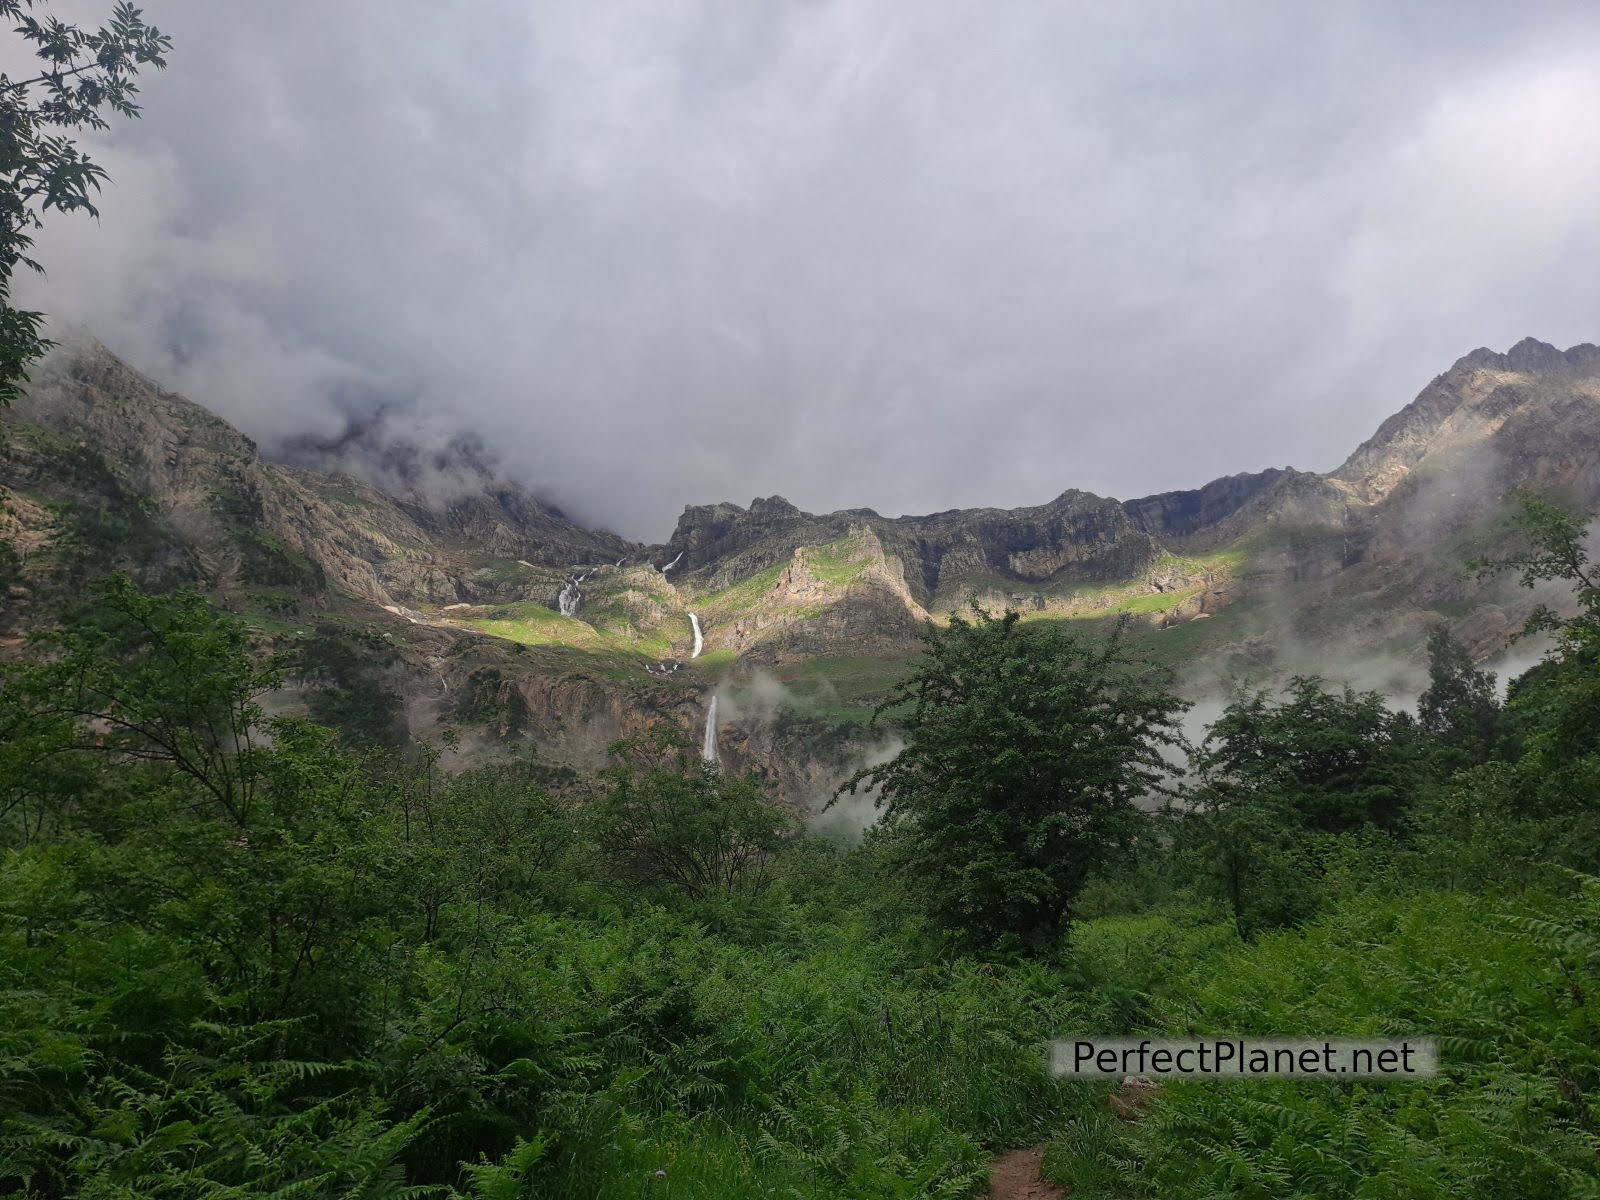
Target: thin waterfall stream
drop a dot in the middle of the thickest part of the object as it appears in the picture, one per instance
(708, 747)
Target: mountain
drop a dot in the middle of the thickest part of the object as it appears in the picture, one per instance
(226, 504)
(453, 602)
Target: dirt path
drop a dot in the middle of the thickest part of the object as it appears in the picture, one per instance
(1014, 1175)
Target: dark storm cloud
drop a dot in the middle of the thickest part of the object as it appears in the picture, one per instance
(906, 255)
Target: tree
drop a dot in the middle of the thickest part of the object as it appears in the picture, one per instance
(1281, 780)
(683, 824)
(1537, 799)
(1026, 748)
(1459, 710)
(83, 74)
(1556, 706)
(1555, 548)
(1341, 760)
(142, 679)
(490, 837)
(137, 736)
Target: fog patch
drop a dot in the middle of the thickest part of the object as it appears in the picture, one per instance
(758, 696)
(847, 816)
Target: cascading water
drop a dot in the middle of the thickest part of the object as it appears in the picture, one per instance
(708, 748)
(568, 599)
(671, 564)
(699, 642)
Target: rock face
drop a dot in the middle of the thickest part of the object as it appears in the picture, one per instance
(726, 543)
(1468, 404)
(1075, 538)
(101, 469)
(1180, 514)
(816, 609)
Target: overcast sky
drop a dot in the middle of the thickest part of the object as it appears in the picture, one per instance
(910, 254)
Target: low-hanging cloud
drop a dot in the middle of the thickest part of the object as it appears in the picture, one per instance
(860, 252)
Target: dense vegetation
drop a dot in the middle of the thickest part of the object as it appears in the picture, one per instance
(246, 954)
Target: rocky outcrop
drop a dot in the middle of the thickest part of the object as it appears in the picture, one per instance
(1466, 404)
(723, 543)
(1179, 514)
(1077, 537)
(845, 597)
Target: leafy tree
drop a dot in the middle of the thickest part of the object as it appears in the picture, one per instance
(1558, 703)
(1026, 748)
(684, 825)
(1532, 800)
(1245, 841)
(1503, 820)
(142, 679)
(83, 74)
(243, 834)
(1340, 760)
(1555, 547)
(1459, 710)
(491, 836)
(366, 712)
(344, 666)
(1281, 780)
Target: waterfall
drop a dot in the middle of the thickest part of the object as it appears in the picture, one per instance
(568, 599)
(671, 564)
(699, 642)
(708, 749)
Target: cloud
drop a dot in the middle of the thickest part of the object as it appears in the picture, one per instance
(860, 252)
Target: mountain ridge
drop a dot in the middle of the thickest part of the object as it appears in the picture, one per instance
(102, 469)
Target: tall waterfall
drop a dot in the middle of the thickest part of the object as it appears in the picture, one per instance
(568, 599)
(671, 564)
(699, 642)
(708, 748)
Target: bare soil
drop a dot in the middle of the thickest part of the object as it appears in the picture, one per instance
(1014, 1175)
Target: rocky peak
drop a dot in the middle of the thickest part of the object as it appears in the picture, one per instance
(1470, 400)
(1530, 355)
(772, 507)
(738, 541)
(1482, 358)
(1383, 459)
(1585, 357)
(156, 442)
(243, 522)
